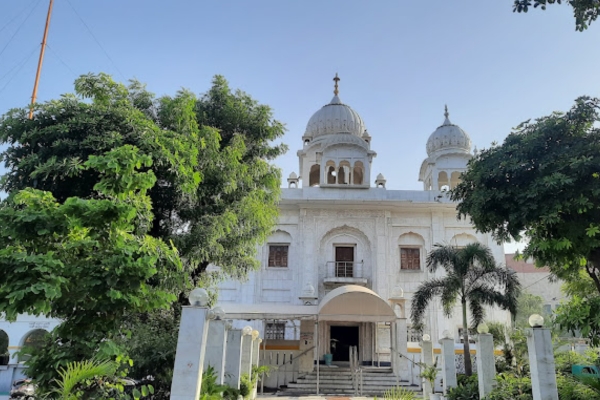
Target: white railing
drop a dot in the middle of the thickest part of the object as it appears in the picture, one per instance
(344, 269)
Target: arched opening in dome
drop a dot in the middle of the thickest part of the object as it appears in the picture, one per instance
(315, 174)
(344, 173)
(442, 180)
(331, 173)
(455, 179)
(358, 173)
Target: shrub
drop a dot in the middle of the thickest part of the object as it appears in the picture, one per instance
(570, 388)
(510, 386)
(399, 393)
(467, 389)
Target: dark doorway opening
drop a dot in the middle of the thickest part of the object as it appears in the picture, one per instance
(342, 337)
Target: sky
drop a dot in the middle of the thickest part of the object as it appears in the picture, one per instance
(399, 61)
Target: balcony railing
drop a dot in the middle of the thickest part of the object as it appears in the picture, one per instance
(344, 269)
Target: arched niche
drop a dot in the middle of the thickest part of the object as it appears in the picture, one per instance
(280, 236)
(358, 173)
(33, 339)
(344, 173)
(314, 176)
(462, 239)
(454, 179)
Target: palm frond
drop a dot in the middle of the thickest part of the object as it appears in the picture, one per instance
(444, 256)
(423, 296)
(79, 371)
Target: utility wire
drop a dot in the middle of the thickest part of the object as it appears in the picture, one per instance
(20, 26)
(541, 279)
(19, 68)
(97, 41)
(60, 59)
(27, 57)
(15, 17)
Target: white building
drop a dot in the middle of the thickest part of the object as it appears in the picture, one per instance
(347, 254)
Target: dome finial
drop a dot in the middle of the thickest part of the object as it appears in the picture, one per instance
(336, 80)
(446, 114)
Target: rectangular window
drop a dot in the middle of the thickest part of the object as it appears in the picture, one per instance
(275, 331)
(410, 258)
(278, 256)
(344, 262)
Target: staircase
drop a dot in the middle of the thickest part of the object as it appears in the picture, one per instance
(335, 380)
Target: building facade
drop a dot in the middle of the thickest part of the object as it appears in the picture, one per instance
(347, 254)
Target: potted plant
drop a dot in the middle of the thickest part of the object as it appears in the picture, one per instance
(429, 373)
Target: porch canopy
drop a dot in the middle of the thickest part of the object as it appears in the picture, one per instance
(354, 303)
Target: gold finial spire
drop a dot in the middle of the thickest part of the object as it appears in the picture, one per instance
(336, 80)
(446, 114)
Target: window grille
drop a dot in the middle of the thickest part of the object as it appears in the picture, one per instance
(275, 331)
(278, 255)
(410, 258)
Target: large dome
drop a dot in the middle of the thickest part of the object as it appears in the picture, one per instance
(335, 117)
(448, 137)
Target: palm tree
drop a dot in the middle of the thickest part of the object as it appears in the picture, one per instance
(473, 278)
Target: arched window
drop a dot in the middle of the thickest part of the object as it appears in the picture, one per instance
(33, 340)
(454, 179)
(331, 173)
(4, 355)
(442, 180)
(315, 174)
(358, 173)
(344, 173)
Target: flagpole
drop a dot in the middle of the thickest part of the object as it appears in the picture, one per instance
(41, 60)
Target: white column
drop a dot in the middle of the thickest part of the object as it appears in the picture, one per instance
(541, 363)
(189, 357)
(401, 347)
(215, 348)
(448, 364)
(247, 354)
(256, 351)
(486, 365)
(233, 358)
(427, 359)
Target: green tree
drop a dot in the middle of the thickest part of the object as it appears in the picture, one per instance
(471, 278)
(543, 182)
(584, 11)
(216, 193)
(87, 262)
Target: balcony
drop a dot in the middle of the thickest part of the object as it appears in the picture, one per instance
(344, 273)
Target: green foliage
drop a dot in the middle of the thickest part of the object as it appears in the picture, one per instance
(528, 304)
(584, 11)
(543, 182)
(564, 360)
(510, 386)
(570, 388)
(86, 262)
(399, 393)
(467, 389)
(429, 372)
(249, 382)
(94, 379)
(210, 389)
(578, 313)
(473, 279)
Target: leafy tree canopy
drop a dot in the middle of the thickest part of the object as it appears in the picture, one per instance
(216, 192)
(543, 182)
(584, 11)
(87, 262)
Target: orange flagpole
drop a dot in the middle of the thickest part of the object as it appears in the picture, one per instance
(41, 60)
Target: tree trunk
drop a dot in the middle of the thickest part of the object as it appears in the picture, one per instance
(467, 352)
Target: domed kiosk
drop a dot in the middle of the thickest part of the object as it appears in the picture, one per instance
(448, 152)
(336, 150)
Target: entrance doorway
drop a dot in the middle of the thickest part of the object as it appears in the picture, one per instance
(342, 337)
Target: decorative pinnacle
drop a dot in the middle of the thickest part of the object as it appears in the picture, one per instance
(336, 80)
(446, 114)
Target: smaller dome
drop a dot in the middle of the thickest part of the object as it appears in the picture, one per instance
(448, 137)
(293, 176)
(380, 177)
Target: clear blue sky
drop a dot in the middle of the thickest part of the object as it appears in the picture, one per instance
(400, 61)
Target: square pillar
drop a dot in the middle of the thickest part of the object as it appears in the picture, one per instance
(448, 364)
(189, 356)
(541, 364)
(486, 365)
(233, 358)
(256, 351)
(307, 341)
(427, 359)
(246, 354)
(215, 348)
(401, 348)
